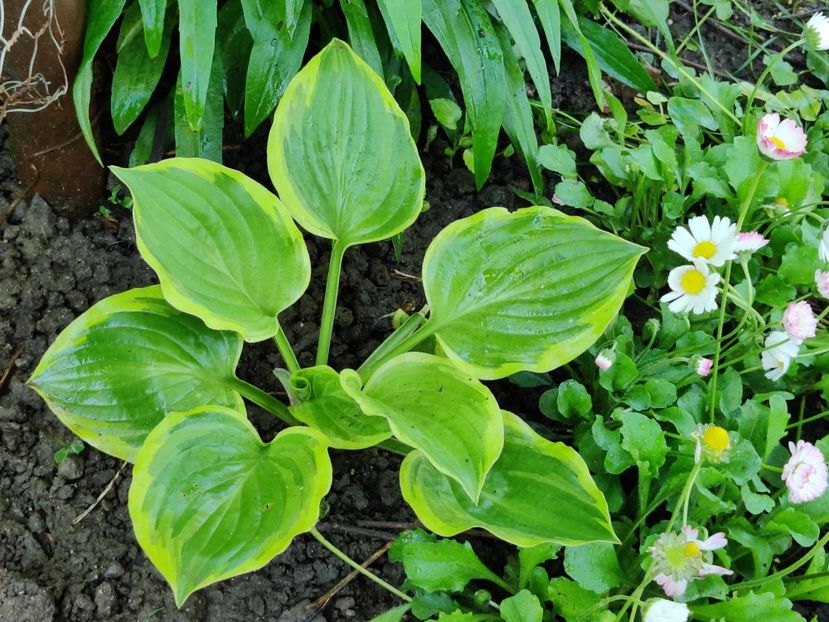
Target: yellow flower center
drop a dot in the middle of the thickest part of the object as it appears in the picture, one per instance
(693, 282)
(782, 201)
(692, 550)
(777, 142)
(716, 439)
(705, 249)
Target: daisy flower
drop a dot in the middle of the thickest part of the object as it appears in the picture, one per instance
(750, 242)
(661, 610)
(780, 140)
(823, 247)
(693, 288)
(709, 242)
(805, 473)
(799, 321)
(680, 558)
(713, 443)
(778, 355)
(605, 360)
(816, 32)
(703, 366)
(822, 282)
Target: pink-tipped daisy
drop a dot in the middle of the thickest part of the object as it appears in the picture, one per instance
(680, 558)
(778, 354)
(703, 366)
(805, 472)
(780, 140)
(823, 247)
(604, 360)
(750, 242)
(712, 243)
(799, 321)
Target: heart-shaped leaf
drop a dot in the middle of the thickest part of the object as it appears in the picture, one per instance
(329, 409)
(528, 290)
(538, 491)
(340, 152)
(114, 373)
(433, 406)
(223, 247)
(209, 500)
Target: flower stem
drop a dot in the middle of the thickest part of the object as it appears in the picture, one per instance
(744, 207)
(818, 546)
(329, 305)
(777, 57)
(359, 568)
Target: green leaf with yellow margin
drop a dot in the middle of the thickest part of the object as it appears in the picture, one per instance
(538, 491)
(209, 500)
(340, 152)
(528, 290)
(224, 248)
(433, 406)
(116, 371)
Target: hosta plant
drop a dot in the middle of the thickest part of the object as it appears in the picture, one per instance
(149, 375)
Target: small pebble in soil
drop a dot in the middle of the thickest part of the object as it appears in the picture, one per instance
(71, 468)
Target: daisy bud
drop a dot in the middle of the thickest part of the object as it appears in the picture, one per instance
(816, 32)
(703, 367)
(605, 359)
(823, 247)
(713, 443)
(805, 473)
(778, 354)
(750, 242)
(780, 140)
(822, 282)
(661, 610)
(799, 321)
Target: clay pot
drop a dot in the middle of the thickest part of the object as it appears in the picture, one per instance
(51, 155)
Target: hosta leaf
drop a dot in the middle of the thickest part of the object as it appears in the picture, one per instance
(114, 373)
(197, 32)
(340, 153)
(402, 19)
(223, 247)
(464, 31)
(528, 290)
(327, 408)
(537, 491)
(431, 405)
(209, 500)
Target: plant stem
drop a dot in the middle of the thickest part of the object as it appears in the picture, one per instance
(761, 79)
(265, 400)
(329, 305)
(426, 329)
(286, 351)
(362, 570)
(405, 331)
(726, 282)
(786, 571)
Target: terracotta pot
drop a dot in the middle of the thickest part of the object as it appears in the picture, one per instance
(51, 154)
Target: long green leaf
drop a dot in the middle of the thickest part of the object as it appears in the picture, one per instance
(205, 142)
(528, 290)
(340, 152)
(550, 17)
(361, 35)
(222, 245)
(612, 55)
(209, 500)
(519, 22)
(101, 17)
(136, 72)
(594, 73)
(403, 19)
(152, 13)
(197, 40)
(116, 371)
(518, 115)
(275, 58)
(234, 46)
(464, 31)
(537, 492)
(451, 418)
